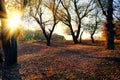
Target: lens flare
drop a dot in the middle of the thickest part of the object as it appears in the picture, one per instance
(13, 21)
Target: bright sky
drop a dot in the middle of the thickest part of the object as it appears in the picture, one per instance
(32, 25)
(59, 29)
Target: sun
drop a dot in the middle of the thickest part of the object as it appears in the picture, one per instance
(14, 20)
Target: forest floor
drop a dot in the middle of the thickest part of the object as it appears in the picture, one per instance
(64, 60)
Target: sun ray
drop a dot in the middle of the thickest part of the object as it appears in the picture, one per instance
(14, 20)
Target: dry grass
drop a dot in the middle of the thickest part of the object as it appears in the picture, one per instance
(66, 61)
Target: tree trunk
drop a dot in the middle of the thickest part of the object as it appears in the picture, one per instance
(9, 44)
(1, 56)
(7, 50)
(75, 40)
(48, 42)
(10, 51)
(92, 39)
(110, 36)
(14, 49)
(81, 36)
(110, 26)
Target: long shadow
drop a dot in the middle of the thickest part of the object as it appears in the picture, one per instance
(114, 59)
(89, 43)
(111, 59)
(85, 54)
(71, 76)
(11, 73)
(56, 43)
(29, 48)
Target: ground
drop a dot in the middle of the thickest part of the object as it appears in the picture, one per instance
(65, 60)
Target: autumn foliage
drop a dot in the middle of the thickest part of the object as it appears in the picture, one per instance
(116, 29)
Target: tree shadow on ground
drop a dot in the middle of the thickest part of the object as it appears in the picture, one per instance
(71, 76)
(56, 43)
(115, 59)
(29, 47)
(89, 43)
(11, 73)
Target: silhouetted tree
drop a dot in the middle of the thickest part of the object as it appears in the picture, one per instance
(117, 9)
(93, 25)
(9, 42)
(37, 13)
(74, 11)
(109, 24)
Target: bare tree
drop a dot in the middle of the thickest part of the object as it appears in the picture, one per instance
(109, 24)
(74, 13)
(37, 12)
(53, 5)
(117, 9)
(93, 25)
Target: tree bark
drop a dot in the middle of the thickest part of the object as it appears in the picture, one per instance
(48, 42)
(14, 48)
(75, 39)
(1, 56)
(10, 51)
(7, 50)
(9, 44)
(81, 36)
(110, 26)
(92, 39)
(110, 36)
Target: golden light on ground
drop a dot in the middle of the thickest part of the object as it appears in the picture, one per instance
(14, 20)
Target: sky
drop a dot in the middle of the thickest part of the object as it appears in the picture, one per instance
(59, 29)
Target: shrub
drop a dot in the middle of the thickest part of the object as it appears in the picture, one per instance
(36, 35)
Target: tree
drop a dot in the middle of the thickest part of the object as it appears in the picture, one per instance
(74, 11)
(116, 9)
(2, 15)
(116, 29)
(9, 42)
(38, 13)
(67, 31)
(6, 39)
(81, 35)
(53, 5)
(93, 25)
(109, 24)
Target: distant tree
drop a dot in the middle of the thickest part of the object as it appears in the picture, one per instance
(53, 5)
(109, 23)
(74, 11)
(93, 25)
(67, 31)
(37, 11)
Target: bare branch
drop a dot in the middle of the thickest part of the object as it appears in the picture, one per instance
(104, 12)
